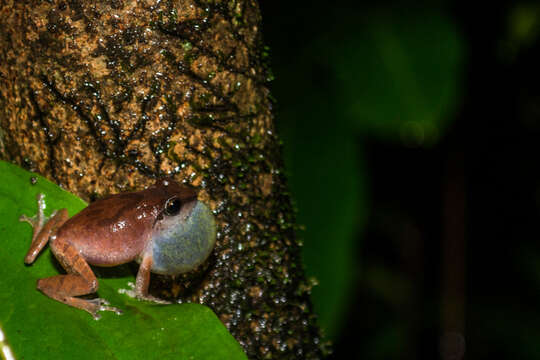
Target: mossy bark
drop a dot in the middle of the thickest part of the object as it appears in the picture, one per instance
(107, 96)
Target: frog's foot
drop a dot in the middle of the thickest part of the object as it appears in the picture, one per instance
(152, 299)
(43, 229)
(97, 305)
(129, 292)
(133, 293)
(39, 219)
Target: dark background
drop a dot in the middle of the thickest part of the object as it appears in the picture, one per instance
(411, 137)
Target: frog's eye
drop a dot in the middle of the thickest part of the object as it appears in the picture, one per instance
(172, 207)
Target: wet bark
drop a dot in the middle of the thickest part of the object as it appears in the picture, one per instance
(107, 96)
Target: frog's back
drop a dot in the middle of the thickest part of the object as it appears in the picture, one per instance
(113, 230)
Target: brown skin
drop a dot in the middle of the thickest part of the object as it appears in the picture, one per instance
(109, 232)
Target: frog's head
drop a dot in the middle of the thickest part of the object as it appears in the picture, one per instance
(184, 232)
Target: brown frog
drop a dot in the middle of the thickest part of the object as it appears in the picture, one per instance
(164, 228)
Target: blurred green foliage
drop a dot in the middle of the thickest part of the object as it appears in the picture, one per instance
(37, 327)
(523, 27)
(389, 75)
(399, 76)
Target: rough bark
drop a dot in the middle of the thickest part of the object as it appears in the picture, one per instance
(106, 96)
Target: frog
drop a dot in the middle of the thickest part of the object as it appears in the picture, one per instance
(164, 228)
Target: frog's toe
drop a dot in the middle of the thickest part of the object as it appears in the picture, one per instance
(24, 218)
(32, 220)
(100, 302)
(102, 305)
(129, 292)
(111, 308)
(153, 299)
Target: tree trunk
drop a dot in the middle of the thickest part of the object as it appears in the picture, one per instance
(106, 96)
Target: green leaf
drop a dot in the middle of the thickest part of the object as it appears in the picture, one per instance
(38, 327)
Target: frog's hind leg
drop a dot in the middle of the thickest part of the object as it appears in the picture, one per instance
(79, 280)
(42, 230)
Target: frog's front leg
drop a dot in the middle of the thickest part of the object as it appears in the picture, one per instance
(80, 280)
(142, 282)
